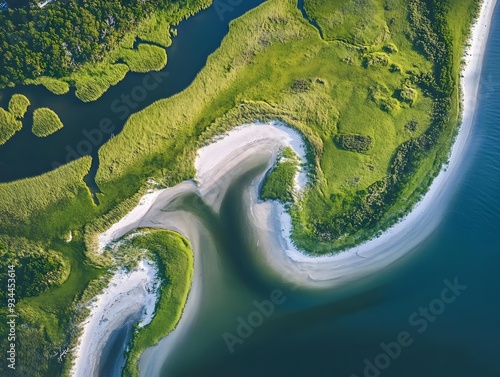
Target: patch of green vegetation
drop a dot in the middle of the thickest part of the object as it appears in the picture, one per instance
(45, 122)
(53, 85)
(91, 65)
(279, 182)
(242, 78)
(28, 204)
(356, 143)
(10, 121)
(9, 125)
(156, 30)
(252, 77)
(145, 59)
(18, 105)
(174, 256)
(45, 321)
(360, 22)
(93, 80)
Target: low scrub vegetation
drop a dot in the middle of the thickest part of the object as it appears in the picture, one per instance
(355, 143)
(279, 182)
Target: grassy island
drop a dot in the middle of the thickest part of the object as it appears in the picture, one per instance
(45, 122)
(372, 85)
(10, 121)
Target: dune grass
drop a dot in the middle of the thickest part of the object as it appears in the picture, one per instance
(45, 122)
(174, 256)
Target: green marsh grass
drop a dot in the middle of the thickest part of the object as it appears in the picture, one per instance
(56, 86)
(18, 105)
(146, 58)
(279, 182)
(45, 122)
(174, 256)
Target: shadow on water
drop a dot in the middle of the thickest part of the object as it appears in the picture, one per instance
(87, 126)
(113, 355)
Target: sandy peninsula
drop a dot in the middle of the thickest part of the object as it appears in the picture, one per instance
(216, 165)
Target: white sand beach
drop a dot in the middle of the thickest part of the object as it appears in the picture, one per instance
(129, 295)
(216, 165)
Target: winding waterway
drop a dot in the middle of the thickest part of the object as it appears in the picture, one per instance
(322, 332)
(433, 313)
(26, 155)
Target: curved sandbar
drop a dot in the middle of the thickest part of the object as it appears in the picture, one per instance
(408, 233)
(129, 296)
(216, 165)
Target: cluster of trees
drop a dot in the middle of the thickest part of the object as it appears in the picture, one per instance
(353, 142)
(36, 269)
(278, 184)
(56, 40)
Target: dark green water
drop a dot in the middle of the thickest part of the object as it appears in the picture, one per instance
(351, 331)
(26, 155)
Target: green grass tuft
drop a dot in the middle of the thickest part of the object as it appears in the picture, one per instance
(145, 59)
(18, 105)
(45, 122)
(55, 86)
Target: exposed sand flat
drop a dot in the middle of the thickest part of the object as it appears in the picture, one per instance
(129, 295)
(216, 165)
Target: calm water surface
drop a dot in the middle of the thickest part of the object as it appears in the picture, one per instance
(338, 332)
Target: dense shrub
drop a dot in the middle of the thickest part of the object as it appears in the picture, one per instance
(353, 142)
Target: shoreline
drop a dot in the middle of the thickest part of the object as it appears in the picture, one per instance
(405, 235)
(129, 295)
(216, 164)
